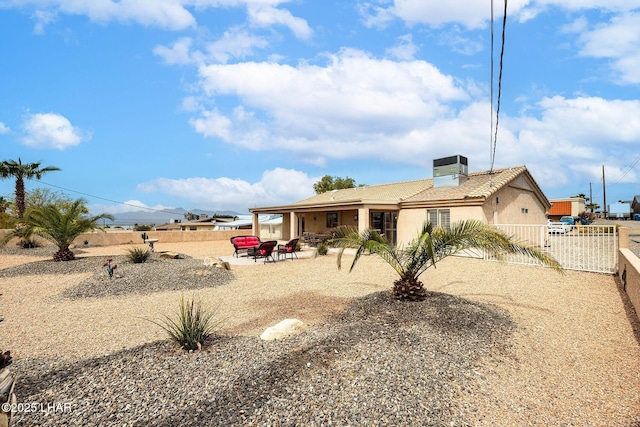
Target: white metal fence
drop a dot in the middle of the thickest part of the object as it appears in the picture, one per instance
(586, 248)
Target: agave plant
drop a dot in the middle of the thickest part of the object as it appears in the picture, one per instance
(432, 245)
(192, 325)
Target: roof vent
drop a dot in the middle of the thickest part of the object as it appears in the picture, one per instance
(450, 171)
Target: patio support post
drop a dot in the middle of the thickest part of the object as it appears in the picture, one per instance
(255, 224)
(293, 225)
(363, 219)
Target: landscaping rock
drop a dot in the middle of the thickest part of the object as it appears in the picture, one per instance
(170, 255)
(286, 328)
(216, 262)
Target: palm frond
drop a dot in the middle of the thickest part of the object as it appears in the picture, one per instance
(434, 244)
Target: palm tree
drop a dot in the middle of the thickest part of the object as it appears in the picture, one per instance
(21, 171)
(432, 245)
(59, 226)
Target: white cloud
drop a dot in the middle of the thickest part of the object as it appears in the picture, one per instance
(470, 14)
(459, 43)
(619, 41)
(4, 129)
(167, 14)
(572, 138)
(128, 206)
(262, 15)
(353, 100)
(178, 54)
(42, 18)
(277, 186)
(234, 43)
(474, 14)
(374, 16)
(405, 49)
(50, 130)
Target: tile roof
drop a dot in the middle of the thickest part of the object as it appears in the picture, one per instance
(478, 185)
(393, 192)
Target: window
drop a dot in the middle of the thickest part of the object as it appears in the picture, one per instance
(332, 219)
(524, 210)
(439, 217)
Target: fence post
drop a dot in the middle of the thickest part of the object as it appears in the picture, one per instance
(623, 238)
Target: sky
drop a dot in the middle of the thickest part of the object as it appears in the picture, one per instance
(234, 104)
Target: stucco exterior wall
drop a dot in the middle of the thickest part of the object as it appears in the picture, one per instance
(629, 270)
(316, 222)
(409, 224)
(410, 220)
(112, 238)
(506, 207)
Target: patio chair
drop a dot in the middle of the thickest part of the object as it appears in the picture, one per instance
(265, 250)
(288, 248)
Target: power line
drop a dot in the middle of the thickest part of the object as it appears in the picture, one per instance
(627, 170)
(504, 30)
(108, 200)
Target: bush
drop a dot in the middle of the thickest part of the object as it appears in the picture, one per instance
(192, 325)
(143, 227)
(138, 255)
(29, 243)
(323, 248)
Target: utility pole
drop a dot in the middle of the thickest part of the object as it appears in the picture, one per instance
(604, 193)
(591, 196)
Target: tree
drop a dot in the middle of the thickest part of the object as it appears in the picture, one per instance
(20, 171)
(59, 226)
(432, 245)
(40, 197)
(329, 183)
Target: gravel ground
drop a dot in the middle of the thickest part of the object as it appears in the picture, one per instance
(155, 275)
(494, 345)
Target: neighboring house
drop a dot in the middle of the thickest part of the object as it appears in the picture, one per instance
(570, 206)
(270, 226)
(398, 210)
(635, 204)
(203, 224)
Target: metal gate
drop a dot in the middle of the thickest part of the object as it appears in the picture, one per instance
(584, 247)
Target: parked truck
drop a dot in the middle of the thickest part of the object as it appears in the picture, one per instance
(620, 210)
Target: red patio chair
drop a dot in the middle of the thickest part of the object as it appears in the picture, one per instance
(288, 248)
(265, 250)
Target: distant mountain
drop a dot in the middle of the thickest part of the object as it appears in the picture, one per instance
(128, 219)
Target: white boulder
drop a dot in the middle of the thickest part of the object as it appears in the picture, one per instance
(286, 328)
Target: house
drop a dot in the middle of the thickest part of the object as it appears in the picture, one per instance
(570, 206)
(398, 210)
(270, 226)
(635, 204)
(203, 223)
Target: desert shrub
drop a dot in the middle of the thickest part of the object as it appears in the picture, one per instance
(143, 227)
(138, 255)
(323, 248)
(28, 243)
(191, 326)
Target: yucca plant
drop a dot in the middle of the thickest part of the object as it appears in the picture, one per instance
(432, 245)
(191, 326)
(322, 248)
(138, 255)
